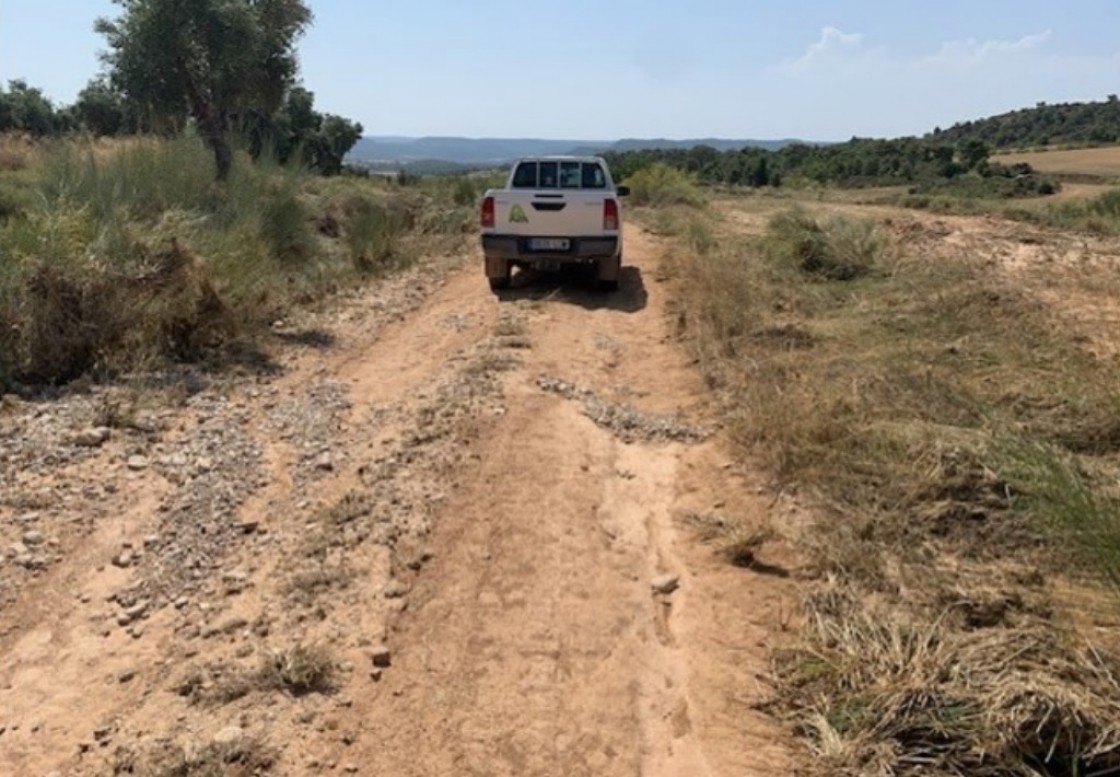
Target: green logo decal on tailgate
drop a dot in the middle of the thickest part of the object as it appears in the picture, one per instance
(517, 215)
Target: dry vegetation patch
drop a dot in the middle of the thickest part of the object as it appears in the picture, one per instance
(17, 152)
(298, 670)
(244, 757)
(882, 696)
(128, 256)
(960, 447)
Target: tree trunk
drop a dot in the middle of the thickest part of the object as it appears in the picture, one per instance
(223, 153)
(213, 124)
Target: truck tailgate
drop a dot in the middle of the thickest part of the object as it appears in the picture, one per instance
(549, 214)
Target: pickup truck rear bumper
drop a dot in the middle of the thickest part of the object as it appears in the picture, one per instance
(517, 248)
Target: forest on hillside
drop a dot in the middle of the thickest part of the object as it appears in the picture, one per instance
(1063, 124)
(959, 156)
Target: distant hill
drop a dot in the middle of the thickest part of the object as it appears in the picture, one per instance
(1043, 125)
(718, 144)
(482, 152)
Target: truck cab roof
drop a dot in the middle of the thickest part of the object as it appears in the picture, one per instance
(560, 158)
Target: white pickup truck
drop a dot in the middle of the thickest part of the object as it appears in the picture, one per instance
(554, 211)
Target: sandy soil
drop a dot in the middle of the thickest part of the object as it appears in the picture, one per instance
(412, 485)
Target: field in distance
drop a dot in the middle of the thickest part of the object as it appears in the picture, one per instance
(1099, 162)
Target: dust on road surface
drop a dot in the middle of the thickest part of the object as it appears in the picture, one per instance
(488, 487)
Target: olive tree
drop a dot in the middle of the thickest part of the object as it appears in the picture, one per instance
(298, 132)
(210, 60)
(101, 110)
(23, 108)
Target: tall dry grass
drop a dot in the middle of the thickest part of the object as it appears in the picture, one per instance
(124, 256)
(17, 152)
(961, 449)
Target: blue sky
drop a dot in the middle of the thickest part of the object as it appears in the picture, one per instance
(593, 69)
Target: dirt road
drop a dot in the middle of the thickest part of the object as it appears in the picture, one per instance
(487, 487)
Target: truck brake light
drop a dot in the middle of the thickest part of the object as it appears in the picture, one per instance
(610, 215)
(488, 213)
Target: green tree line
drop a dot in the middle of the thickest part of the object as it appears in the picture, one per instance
(226, 67)
(858, 162)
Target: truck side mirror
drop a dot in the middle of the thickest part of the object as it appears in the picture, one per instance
(623, 191)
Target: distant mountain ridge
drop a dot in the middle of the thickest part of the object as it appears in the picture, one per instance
(478, 152)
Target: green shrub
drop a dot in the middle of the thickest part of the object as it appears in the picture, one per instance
(465, 191)
(989, 187)
(659, 184)
(841, 249)
(16, 197)
(1107, 205)
(285, 227)
(373, 232)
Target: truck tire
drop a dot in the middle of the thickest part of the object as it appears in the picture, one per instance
(498, 273)
(607, 273)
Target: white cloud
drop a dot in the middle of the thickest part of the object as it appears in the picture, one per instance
(972, 51)
(832, 41)
(845, 86)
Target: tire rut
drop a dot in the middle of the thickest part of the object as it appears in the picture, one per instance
(423, 492)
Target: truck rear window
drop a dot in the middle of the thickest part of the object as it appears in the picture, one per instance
(559, 175)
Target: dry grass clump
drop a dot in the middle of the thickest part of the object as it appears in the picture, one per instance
(216, 684)
(65, 321)
(878, 696)
(1072, 504)
(299, 671)
(246, 757)
(841, 249)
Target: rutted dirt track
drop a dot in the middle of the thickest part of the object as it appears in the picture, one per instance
(485, 486)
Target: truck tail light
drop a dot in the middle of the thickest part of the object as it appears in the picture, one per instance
(610, 215)
(488, 213)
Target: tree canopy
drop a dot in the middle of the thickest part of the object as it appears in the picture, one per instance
(210, 60)
(298, 131)
(24, 108)
(1043, 125)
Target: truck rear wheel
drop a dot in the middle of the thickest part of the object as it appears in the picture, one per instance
(498, 273)
(608, 272)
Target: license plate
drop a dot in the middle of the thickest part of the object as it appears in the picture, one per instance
(549, 244)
